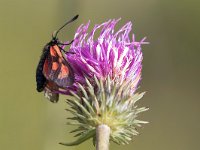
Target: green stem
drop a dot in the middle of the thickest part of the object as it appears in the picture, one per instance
(102, 137)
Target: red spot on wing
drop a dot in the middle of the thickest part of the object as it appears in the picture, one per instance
(55, 51)
(55, 66)
(64, 72)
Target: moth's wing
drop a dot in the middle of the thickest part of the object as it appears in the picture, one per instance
(65, 76)
(49, 64)
(49, 92)
(57, 69)
(40, 78)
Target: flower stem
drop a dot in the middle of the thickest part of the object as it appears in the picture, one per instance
(102, 137)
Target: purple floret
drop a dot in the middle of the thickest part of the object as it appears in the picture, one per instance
(111, 54)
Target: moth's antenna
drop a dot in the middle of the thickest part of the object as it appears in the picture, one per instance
(56, 32)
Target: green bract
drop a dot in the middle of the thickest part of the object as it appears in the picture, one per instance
(105, 102)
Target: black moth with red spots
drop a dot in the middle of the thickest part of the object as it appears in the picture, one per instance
(49, 80)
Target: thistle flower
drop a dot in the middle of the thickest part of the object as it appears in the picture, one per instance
(107, 73)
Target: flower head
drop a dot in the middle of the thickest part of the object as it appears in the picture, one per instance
(107, 71)
(112, 54)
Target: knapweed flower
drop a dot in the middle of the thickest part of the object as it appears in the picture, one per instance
(107, 69)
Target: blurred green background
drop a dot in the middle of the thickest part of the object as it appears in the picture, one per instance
(170, 70)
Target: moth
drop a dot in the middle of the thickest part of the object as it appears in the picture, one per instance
(53, 70)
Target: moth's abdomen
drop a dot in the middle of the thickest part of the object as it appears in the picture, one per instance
(40, 78)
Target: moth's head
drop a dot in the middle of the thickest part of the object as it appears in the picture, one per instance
(54, 38)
